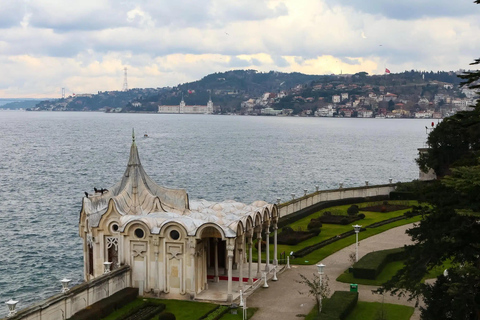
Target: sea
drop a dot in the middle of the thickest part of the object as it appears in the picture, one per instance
(49, 159)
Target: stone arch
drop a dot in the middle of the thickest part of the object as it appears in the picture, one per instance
(201, 229)
(168, 226)
(129, 229)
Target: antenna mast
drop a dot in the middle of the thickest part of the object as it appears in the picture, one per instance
(63, 93)
(125, 83)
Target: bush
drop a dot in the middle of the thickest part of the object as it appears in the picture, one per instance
(166, 316)
(361, 216)
(344, 221)
(287, 230)
(104, 307)
(339, 306)
(314, 224)
(372, 263)
(352, 210)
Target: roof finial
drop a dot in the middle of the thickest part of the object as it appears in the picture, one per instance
(133, 135)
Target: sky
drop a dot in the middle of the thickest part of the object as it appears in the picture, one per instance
(84, 46)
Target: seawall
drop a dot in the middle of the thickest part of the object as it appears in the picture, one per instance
(64, 305)
(321, 196)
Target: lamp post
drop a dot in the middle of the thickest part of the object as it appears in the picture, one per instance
(65, 283)
(11, 307)
(106, 266)
(320, 268)
(357, 230)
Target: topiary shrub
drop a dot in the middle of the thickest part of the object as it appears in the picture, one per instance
(353, 210)
(361, 216)
(315, 231)
(344, 221)
(166, 316)
(314, 224)
(287, 230)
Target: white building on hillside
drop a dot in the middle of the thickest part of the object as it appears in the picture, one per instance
(183, 108)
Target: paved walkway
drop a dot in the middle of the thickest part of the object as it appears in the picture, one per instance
(282, 300)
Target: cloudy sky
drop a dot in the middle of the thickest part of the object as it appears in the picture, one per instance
(83, 46)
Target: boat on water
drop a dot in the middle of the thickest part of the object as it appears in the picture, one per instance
(379, 116)
(145, 135)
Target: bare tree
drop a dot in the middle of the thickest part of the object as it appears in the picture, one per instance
(317, 287)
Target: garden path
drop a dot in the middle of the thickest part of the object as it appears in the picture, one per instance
(282, 300)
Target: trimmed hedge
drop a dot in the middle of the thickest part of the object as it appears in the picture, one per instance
(104, 307)
(339, 305)
(403, 195)
(289, 219)
(145, 311)
(372, 263)
(216, 313)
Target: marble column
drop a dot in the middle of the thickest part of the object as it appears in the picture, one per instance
(230, 248)
(275, 256)
(215, 249)
(259, 249)
(267, 236)
(250, 256)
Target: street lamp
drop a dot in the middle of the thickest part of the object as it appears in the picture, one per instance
(320, 268)
(106, 266)
(11, 307)
(65, 283)
(357, 230)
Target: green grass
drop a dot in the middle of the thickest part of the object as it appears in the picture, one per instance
(182, 309)
(387, 273)
(373, 311)
(187, 310)
(116, 314)
(332, 230)
(324, 252)
(238, 316)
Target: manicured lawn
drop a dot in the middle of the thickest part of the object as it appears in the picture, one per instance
(182, 309)
(332, 230)
(324, 252)
(374, 310)
(387, 273)
(187, 310)
(238, 316)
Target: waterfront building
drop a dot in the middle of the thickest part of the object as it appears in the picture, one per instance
(174, 246)
(183, 108)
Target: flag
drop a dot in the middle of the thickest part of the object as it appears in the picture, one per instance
(387, 71)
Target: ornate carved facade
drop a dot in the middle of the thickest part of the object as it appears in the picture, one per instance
(173, 245)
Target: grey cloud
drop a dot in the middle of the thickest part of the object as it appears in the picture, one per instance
(411, 9)
(238, 63)
(280, 61)
(11, 13)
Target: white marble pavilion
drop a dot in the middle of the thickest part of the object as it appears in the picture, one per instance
(173, 245)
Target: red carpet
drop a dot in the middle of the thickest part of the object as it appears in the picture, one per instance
(233, 278)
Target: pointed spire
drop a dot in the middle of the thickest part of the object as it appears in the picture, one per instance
(134, 157)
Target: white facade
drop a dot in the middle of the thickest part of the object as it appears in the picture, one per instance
(172, 244)
(183, 108)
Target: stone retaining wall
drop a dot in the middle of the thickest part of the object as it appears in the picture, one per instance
(316, 197)
(64, 305)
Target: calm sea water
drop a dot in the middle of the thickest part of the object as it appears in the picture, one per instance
(48, 160)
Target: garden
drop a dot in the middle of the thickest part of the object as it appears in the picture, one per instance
(330, 229)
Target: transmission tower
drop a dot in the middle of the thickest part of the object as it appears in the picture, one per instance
(63, 93)
(125, 83)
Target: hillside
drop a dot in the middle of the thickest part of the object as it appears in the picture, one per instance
(248, 91)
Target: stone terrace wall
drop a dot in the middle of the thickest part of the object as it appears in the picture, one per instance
(64, 305)
(311, 199)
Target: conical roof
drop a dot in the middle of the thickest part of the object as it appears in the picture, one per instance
(137, 194)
